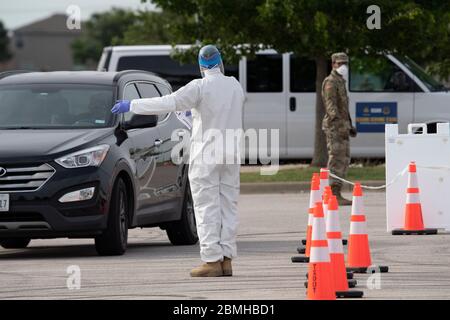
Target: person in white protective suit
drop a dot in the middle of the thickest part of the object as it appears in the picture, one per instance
(217, 103)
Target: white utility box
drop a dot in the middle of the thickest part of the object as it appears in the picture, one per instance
(427, 150)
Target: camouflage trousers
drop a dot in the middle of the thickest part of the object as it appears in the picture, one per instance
(338, 146)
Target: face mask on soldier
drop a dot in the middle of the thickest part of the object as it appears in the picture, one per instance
(343, 71)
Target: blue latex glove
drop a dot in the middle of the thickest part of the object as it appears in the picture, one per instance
(121, 106)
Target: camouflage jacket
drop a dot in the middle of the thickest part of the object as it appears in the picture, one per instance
(335, 100)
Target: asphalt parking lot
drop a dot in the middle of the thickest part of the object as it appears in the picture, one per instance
(270, 230)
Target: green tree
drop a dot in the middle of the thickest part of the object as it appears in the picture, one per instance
(122, 27)
(101, 30)
(4, 41)
(315, 29)
(151, 27)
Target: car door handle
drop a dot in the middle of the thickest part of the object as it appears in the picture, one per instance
(158, 142)
(292, 104)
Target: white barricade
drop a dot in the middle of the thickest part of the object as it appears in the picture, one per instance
(431, 152)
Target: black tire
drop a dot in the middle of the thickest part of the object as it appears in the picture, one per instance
(184, 231)
(113, 241)
(18, 243)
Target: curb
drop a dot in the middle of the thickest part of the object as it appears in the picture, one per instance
(292, 187)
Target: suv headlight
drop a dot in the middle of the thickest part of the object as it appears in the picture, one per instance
(92, 157)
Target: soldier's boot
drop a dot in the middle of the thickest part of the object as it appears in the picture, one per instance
(209, 269)
(336, 188)
(226, 267)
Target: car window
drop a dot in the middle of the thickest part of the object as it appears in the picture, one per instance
(164, 90)
(148, 90)
(56, 106)
(130, 93)
(265, 73)
(378, 74)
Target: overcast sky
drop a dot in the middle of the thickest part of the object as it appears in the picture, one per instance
(16, 13)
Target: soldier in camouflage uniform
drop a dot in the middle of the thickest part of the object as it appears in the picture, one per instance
(337, 124)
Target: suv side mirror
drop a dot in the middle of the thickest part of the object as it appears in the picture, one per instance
(138, 121)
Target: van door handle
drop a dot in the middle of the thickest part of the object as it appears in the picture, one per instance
(292, 104)
(158, 142)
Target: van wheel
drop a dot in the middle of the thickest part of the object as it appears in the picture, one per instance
(18, 243)
(184, 231)
(113, 241)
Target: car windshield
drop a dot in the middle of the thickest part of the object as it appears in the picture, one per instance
(431, 83)
(55, 106)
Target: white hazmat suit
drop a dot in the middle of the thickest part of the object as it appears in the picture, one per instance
(217, 103)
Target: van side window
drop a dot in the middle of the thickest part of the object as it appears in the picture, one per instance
(303, 74)
(231, 70)
(265, 73)
(176, 73)
(378, 74)
(130, 92)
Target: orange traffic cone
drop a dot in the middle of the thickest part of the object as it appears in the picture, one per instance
(334, 236)
(313, 198)
(327, 193)
(413, 208)
(323, 180)
(359, 259)
(320, 281)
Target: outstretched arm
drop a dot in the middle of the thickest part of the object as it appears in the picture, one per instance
(183, 99)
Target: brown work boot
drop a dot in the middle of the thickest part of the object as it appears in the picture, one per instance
(336, 189)
(209, 269)
(226, 267)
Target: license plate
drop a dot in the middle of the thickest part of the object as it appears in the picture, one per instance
(4, 202)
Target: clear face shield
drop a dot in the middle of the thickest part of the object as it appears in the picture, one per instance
(209, 58)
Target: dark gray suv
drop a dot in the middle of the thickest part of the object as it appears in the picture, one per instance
(70, 168)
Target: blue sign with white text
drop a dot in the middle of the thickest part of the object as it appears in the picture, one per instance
(372, 116)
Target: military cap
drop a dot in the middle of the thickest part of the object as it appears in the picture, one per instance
(339, 57)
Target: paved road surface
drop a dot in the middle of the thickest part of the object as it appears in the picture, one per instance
(270, 230)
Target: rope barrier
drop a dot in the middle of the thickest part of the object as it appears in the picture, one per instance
(397, 176)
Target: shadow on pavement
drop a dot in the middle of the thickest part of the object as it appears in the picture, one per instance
(135, 250)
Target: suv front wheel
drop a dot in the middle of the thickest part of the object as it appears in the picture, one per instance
(113, 241)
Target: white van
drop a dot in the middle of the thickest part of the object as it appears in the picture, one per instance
(280, 93)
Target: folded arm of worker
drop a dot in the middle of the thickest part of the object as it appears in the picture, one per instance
(183, 99)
